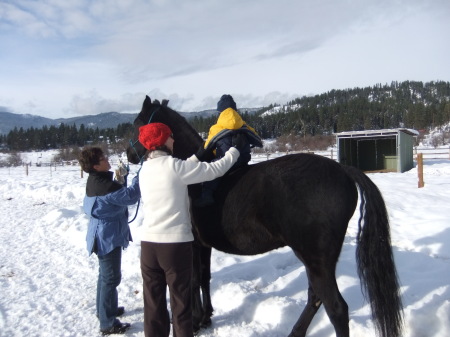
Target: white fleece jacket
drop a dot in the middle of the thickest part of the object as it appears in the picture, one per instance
(163, 181)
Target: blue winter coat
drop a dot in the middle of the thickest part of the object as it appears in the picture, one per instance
(108, 224)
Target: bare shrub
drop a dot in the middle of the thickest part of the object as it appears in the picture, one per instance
(119, 147)
(67, 154)
(437, 140)
(14, 159)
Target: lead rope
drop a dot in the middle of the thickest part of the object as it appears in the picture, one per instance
(139, 200)
(141, 161)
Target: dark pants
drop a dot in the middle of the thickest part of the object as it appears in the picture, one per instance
(109, 277)
(162, 265)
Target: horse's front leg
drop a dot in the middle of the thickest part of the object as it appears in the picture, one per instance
(208, 309)
(197, 309)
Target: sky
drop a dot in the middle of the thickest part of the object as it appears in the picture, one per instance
(61, 59)
(48, 282)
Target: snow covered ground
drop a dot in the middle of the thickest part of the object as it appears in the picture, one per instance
(48, 282)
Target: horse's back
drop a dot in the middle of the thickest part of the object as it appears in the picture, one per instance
(297, 180)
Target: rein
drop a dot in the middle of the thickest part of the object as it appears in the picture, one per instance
(138, 203)
(141, 160)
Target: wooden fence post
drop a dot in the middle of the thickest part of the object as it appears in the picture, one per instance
(26, 169)
(420, 169)
(81, 172)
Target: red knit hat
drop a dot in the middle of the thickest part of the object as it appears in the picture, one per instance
(153, 135)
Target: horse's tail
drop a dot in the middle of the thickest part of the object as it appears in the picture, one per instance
(376, 268)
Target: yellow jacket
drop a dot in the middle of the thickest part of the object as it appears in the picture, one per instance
(228, 119)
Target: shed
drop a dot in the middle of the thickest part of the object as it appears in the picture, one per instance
(388, 150)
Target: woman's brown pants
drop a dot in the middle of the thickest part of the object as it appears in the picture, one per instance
(162, 265)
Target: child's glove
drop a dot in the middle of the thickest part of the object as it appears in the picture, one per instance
(205, 154)
(239, 141)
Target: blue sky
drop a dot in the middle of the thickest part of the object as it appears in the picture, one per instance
(77, 57)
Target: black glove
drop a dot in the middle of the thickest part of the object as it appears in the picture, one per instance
(239, 141)
(205, 154)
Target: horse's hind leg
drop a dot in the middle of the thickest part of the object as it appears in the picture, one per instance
(323, 289)
(300, 328)
(335, 306)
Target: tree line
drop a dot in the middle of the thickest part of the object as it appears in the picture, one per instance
(62, 136)
(414, 105)
(408, 104)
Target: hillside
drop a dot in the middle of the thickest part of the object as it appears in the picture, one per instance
(414, 105)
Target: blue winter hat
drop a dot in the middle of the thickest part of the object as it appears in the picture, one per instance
(225, 102)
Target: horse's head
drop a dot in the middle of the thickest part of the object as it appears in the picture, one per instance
(187, 140)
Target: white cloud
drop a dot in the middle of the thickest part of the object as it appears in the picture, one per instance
(56, 54)
(93, 103)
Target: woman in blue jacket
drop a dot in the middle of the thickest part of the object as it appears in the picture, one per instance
(108, 233)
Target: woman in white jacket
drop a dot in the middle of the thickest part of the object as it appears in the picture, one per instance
(166, 238)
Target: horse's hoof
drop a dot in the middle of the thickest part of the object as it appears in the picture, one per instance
(196, 330)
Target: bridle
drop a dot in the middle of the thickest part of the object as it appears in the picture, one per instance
(133, 143)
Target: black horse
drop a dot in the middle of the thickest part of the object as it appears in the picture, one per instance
(303, 201)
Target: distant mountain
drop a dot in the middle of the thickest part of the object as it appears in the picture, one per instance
(102, 121)
(8, 120)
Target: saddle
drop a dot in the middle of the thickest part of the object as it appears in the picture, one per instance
(219, 187)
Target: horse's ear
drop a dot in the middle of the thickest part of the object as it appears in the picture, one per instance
(165, 102)
(147, 101)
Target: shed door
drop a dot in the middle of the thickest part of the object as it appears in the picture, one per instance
(405, 144)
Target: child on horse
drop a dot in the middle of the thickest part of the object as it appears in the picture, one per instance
(220, 137)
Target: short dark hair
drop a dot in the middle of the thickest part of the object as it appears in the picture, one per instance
(164, 148)
(158, 148)
(89, 157)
